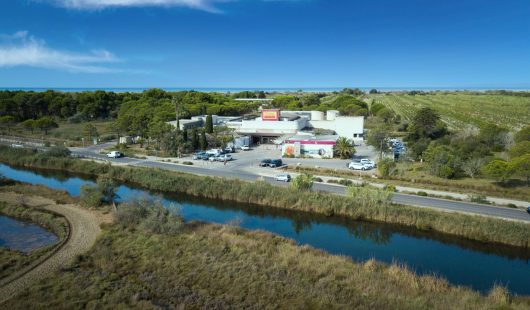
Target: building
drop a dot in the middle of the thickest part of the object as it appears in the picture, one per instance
(310, 146)
(274, 124)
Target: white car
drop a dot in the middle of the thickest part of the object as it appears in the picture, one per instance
(357, 166)
(114, 154)
(368, 163)
(245, 148)
(283, 177)
(225, 157)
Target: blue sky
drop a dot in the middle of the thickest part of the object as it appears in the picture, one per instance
(267, 44)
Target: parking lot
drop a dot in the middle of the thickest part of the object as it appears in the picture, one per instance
(252, 158)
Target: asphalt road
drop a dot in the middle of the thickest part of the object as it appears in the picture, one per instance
(398, 198)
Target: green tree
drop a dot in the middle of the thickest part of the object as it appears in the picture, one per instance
(158, 130)
(107, 188)
(498, 170)
(7, 121)
(209, 124)
(28, 124)
(520, 166)
(203, 141)
(523, 134)
(373, 91)
(426, 123)
(378, 138)
(90, 131)
(442, 162)
(194, 139)
(344, 148)
(519, 149)
(303, 182)
(493, 136)
(185, 135)
(45, 124)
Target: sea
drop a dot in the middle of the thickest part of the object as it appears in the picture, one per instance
(265, 89)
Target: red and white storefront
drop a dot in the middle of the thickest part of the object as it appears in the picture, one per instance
(309, 147)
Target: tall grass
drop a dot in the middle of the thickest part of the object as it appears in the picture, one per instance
(472, 227)
(222, 267)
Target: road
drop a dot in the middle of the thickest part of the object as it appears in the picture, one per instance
(237, 172)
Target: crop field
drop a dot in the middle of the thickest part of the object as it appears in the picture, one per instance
(458, 110)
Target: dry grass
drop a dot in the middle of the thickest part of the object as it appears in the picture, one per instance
(222, 267)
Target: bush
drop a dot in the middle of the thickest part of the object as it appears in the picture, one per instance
(189, 163)
(58, 151)
(386, 167)
(303, 182)
(479, 199)
(424, 194)
(90, 197)
(370, 197)
(318, 179)
(149, 215)
(391, 188)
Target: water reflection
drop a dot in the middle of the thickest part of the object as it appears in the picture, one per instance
(459, 260)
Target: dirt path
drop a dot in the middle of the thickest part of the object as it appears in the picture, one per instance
(84, 230)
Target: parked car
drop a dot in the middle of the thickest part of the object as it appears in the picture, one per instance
(283, 177)
(245, 148)
(265, 163)
(229, 149)
(225, 157)
(528, 210)
(214, 157)
(199, 155)
(357, 166)
(276, 163)
(368, 163)
(208, 156)
(114, 154)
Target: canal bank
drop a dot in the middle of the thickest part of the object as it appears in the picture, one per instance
(464, 262)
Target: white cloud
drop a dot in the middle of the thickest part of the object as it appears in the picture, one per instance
(21, 49)
(205, 5)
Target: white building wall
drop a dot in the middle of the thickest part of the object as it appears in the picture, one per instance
(273, 127)
(351, 127)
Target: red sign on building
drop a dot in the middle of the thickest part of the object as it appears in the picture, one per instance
(270, 115)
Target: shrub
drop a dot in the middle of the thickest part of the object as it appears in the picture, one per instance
(318, 179)
(58, 151)
(391, 188)
(189, 163)
(478, 199)
(386, 167)
(149, 215)
(422, 194)
(303, 182)
(369, 197)
(90, 197)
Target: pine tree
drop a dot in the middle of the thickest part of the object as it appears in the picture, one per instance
(203, 141)
(194, 139)
(209, 124)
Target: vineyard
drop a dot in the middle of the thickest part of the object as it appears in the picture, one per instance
(458, 110)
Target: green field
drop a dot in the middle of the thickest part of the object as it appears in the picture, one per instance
(458, 110)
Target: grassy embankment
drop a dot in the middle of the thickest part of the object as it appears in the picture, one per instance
(413, 175)
(472, 227)
(12, 261)
(71, 133)
(220, 267)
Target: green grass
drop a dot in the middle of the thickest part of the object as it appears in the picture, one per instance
(222, 267)
(460, 109)
(472, 227)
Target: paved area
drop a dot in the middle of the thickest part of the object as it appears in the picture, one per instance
(84, 230)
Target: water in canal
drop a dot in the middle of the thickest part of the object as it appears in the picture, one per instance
(22, 236)
(460, 261)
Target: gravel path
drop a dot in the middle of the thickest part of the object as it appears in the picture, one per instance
(84, 230)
